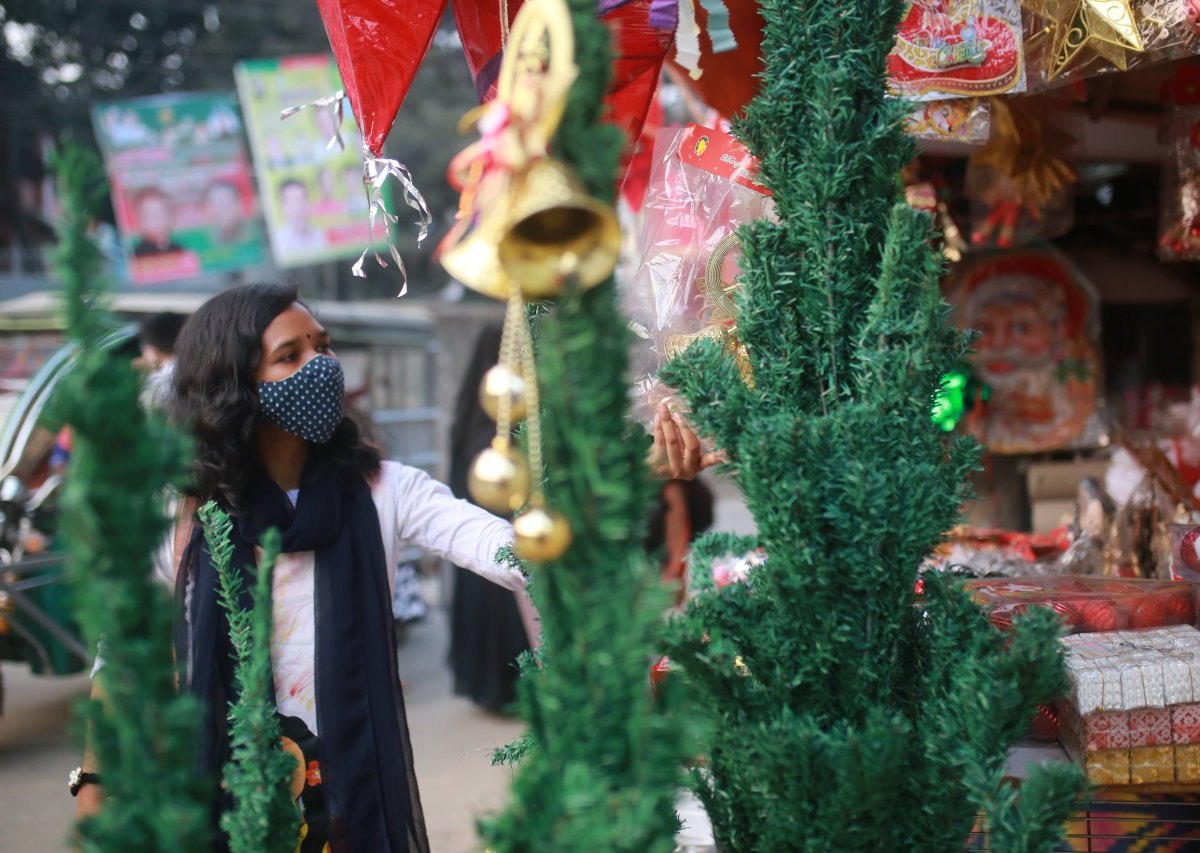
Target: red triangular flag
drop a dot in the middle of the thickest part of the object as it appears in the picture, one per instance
(379, 45)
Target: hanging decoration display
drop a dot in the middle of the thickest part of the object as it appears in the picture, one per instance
(1179, 230)
(639, 50)
(1038, 350)
(1020, 182)
(729, 64)
(965, 120)
(1067, 40)
(525, 231)
(702, 189)
(378, 48)
(957, 49)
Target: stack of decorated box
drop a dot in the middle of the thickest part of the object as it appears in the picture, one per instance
(1133, 713)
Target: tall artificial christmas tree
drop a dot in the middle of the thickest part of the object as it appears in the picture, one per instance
(848, 716)
(122, 462)
(604, 765)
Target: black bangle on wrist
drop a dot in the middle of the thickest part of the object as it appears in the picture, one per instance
(79, 778)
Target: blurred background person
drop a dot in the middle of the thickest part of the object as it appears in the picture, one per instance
(157, 337)
(487, 633)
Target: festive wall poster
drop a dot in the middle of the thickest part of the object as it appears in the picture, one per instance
(313, 195)
(1037, 351)
(1179, 229)
(182, 188)
(958, 49)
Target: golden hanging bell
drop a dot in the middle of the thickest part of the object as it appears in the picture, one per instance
(502, 381)
(556, 231)
(541, 535)
(473, 260)
(499, 478)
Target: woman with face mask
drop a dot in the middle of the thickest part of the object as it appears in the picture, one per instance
(259, 386)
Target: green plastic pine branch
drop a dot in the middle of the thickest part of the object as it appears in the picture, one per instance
(601, 765)
(123, 461)
(264, 817)
(848, 717)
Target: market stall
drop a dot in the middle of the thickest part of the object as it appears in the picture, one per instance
(1059, 152)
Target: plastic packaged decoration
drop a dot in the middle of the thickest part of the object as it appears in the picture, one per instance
(702, 189)
(1068, 40)
(1179, 229)
(966, 120)
(958, 49)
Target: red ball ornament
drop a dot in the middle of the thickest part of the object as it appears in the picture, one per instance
(1149, 611)
(1180, 607)
(1188, 552)
(1095, 616)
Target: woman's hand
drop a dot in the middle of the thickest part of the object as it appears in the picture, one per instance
(88, 801)
(676, 453)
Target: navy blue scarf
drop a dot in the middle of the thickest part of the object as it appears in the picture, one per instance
(365, 754)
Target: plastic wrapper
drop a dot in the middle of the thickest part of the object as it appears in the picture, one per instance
(965, 120)
(379, 48)
(1179, 224)
(1088, 604)
(980, 553)
(958, 49)
(701, 190)
(1069, 40)
(1125, 670)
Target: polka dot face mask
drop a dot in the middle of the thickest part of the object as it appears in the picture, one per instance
(309, 402)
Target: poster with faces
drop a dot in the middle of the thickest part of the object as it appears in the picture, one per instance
(312, 185)
(182, 188)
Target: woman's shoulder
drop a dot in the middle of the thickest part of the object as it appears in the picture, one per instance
(395, 476)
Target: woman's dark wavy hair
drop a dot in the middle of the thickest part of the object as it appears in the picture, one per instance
(216, 394)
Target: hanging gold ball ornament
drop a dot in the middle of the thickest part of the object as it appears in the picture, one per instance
(541, 535)
(499, 478)
(499, 382)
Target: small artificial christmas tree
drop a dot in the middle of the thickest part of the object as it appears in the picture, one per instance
(601, 766)
(847, 717)
(123, 460)
(264, 817)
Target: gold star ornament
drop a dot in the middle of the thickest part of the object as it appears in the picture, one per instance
(1108, 28)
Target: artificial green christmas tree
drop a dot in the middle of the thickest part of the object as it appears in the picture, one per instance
(604, 765)
(854, 718)
(258, 776)
(123, 460)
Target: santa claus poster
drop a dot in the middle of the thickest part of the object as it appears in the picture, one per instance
(1037, 352)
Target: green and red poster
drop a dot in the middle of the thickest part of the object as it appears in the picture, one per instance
(182, 187)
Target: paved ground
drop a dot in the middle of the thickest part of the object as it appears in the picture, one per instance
(451, 738)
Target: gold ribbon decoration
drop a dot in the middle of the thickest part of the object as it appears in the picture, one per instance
(1026, 149)
(722, 326)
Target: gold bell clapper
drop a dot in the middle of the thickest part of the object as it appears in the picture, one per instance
(502, 381)
(555, 231)
(499, 479)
